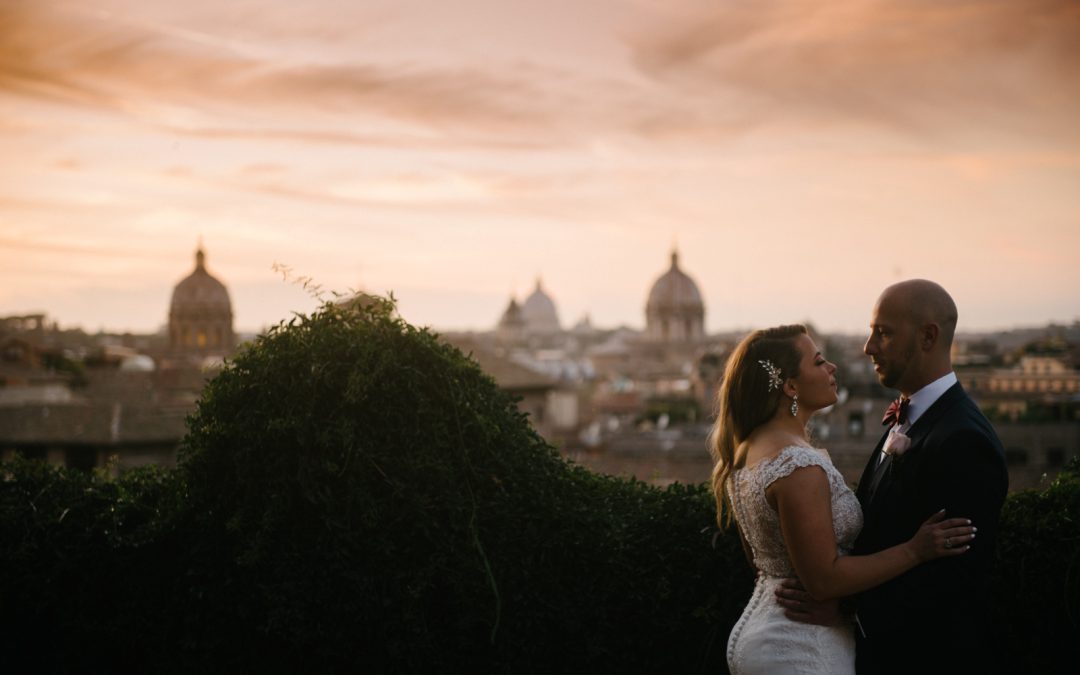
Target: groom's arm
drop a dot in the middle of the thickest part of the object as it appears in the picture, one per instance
(965, 476)
(970, 481)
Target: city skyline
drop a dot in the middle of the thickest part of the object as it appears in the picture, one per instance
(801, 157)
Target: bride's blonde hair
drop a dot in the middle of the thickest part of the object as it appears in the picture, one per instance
(746, 401)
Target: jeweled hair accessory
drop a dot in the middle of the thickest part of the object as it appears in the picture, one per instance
(775, 382)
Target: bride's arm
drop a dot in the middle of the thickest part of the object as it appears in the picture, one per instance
(802, 500)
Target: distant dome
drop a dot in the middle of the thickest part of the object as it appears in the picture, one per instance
(584, 325)
(675, 310)
(199, 291)
(512, 316)
(200, 314)
(512, 324)
(137, 363)
(539, 313)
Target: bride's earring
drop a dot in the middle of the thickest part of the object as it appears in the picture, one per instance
(794, 405)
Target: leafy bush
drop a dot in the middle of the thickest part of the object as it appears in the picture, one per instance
(1037, 584)
(396, 510)
(84, 564)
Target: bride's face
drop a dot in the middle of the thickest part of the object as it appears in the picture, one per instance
(816, 383)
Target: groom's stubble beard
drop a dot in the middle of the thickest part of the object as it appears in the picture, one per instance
(895, 369)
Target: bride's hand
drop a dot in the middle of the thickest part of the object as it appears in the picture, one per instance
(939, 537)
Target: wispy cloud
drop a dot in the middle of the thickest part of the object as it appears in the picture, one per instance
(314, 136)
(1007, 65)
(190, 83)
(61, 54)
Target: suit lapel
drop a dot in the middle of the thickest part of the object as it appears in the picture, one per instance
(929, 418)
(865, 482)
(880, 477)
(882, 470)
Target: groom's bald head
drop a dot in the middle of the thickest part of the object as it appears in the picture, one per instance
(911, 334)
(924, 302)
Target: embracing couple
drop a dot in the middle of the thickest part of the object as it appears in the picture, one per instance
(894, 577)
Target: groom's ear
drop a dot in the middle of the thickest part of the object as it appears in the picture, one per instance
(928, 336)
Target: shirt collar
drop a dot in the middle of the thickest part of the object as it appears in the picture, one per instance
(921, 400)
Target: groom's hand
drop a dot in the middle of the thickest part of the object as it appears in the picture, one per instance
(799, 606)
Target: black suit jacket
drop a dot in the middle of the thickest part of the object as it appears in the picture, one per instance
(942, 607)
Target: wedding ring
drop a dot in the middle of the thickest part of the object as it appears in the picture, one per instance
(948, 542)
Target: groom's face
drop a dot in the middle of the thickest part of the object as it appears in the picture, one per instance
(892, 344)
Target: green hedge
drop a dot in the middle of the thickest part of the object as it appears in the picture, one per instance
(1037, 583)
(355, 495)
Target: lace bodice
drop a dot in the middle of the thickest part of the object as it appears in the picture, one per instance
(760, 523)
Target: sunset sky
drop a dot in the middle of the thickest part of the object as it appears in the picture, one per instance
(802, 155)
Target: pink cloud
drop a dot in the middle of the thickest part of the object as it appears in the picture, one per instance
(920, 65)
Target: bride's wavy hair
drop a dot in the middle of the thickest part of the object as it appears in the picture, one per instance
(745, 402)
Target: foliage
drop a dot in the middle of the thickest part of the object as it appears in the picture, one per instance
(1037, 585)
(85, 562)
(356, 495)
(1049, 345)
(396, 510)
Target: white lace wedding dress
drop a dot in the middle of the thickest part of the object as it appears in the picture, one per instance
(764, 640)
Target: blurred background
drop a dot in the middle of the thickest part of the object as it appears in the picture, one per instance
(595, 199)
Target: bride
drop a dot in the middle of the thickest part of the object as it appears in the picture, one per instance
(795, 515)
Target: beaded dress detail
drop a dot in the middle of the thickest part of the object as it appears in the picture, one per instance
(764, 640)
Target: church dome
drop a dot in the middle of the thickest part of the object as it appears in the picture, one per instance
(512, 324)
(512, 316)
(200, 292)
(539, 313)
(200, 314)
(675, 310)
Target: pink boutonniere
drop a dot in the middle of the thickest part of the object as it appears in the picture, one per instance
(897, 444)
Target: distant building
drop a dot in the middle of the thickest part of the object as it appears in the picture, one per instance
(111, 401)
(121, 419)
(1040, 377)
(538, 394)
(1035, 407)
(662, 365)
(539, 312)
(24, 377)
(674, 311)
(511, 327)
(200, 315)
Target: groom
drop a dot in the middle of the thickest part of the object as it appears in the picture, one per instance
(939, 452)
